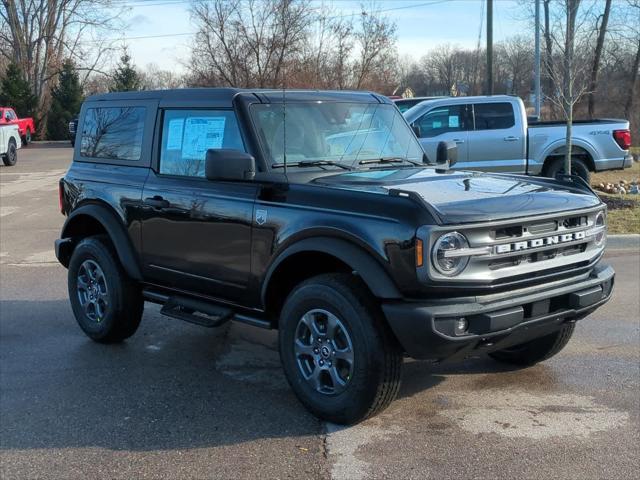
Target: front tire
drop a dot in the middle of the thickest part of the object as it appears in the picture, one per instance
(338, 354)
(536, 350)
(11, 157)
(107, 304)
(26, 140)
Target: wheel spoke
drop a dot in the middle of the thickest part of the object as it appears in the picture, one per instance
(303, 349)
(345, 355)
(314, 378)
(336, 380)
(309, 320)
(82, 283)
(332, 326)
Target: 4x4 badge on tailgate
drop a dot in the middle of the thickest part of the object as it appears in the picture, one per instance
(261, 217)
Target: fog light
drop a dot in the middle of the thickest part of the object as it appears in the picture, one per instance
(461, 326)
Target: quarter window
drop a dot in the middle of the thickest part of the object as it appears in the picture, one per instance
(442, 120)
(188, 134)
(494, 116)
(113, 133)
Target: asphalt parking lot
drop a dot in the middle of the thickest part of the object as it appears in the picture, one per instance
(178, 400)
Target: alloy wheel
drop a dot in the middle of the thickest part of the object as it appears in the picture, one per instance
(324, 351)
(92, 290)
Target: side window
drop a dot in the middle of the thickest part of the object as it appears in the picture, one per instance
(12, 115)
(188, 134)
(113, 133)
(494, 116)
(441, 120)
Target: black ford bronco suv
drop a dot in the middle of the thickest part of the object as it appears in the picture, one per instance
(318, 214)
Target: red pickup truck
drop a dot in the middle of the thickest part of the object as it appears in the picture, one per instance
(26, 127)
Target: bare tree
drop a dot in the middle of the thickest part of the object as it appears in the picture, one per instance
(154, 78)
(376, 44)
(602, 31)
(38, 35)
(246, 43)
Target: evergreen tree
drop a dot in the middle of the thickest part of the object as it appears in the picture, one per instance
(66, 99)
(126, 77)
(15, 92)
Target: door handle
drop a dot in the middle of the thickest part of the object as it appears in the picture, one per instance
(458, 140)
(511, 139)
(156, 202)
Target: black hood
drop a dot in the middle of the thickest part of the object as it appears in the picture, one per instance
(465, 196)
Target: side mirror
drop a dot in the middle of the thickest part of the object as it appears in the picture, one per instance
(447, 154)
(416, 129)
(228, 164)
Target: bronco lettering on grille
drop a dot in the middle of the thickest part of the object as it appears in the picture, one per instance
(540, 242)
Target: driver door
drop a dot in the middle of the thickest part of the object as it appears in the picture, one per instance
(445, 123)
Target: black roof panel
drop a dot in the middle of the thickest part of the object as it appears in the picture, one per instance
(224, 96)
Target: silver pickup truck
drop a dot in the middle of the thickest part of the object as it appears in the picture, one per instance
(492, 134)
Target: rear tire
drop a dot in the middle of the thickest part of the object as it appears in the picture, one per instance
(107, 304)
(350, 370)
(578, 167)
(11, 157)
(536, 350)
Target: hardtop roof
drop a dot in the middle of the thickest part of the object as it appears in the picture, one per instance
(226, 95)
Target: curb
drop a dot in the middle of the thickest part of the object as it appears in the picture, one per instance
(629, 241)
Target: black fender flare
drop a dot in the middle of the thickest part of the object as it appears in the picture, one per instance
(116, 231)
(368, 268)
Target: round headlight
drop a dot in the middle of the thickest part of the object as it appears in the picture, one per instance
(601, 222)
(450, 264)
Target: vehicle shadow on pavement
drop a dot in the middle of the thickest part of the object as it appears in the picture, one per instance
(419, 376)
(161, 389)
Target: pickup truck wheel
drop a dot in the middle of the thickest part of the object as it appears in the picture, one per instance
(337, 352)
(107, 304)
(26, 140)
(578, 167)
(11, 157)
(536, 350)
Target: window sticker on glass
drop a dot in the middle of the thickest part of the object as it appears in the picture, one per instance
(174, 134)
(454, 121)
(201, 134)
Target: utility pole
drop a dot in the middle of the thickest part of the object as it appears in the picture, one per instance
(489, 47)
(538, 93)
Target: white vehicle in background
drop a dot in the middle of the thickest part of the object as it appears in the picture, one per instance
(493, 135)
(10, 142)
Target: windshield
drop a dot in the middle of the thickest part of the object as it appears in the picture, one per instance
(335, 132)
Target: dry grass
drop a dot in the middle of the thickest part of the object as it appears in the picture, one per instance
(614, 176)
(624, 210)
(624, 220)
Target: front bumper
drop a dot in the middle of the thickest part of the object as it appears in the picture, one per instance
(426, 329)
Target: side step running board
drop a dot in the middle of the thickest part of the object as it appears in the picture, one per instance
(200, 312)
(194, 311)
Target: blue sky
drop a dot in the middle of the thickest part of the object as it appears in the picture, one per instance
(422, 24)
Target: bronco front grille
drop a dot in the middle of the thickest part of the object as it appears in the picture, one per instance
(506, 249)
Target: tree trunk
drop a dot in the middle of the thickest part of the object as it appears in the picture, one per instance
(548, 57)
(593, 85)
(632, 84)
(567, 94)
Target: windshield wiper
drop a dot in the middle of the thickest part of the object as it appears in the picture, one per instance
(312, 163)
(389, 160)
